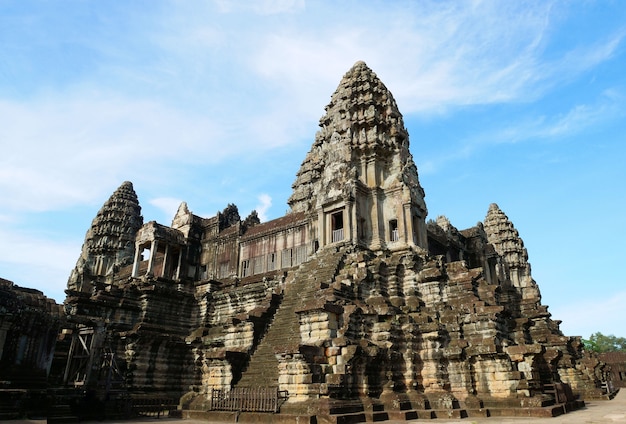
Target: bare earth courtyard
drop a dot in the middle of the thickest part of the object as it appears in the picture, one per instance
(613, 411)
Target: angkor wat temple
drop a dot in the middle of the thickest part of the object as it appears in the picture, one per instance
(351, 307)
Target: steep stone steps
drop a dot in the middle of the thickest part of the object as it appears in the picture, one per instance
(283, 334)
(61, 414)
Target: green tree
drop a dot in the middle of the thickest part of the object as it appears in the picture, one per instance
(600, 343)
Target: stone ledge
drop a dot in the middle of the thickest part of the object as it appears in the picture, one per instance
(248, 417)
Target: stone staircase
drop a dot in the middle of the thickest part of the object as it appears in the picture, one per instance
(373, 410)
(283, 334)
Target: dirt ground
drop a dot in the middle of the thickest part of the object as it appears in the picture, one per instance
(595, 412)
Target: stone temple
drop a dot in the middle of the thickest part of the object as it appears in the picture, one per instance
(352, 307)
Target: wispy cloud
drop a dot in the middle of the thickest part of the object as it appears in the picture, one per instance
(577, 119)
(64, 151)
(265, 202)
(148, 95)
(261, 7)
(223, 88)
(44, 262)
(167, 205)
(541, 128)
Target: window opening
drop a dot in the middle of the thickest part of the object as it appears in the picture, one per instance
(245, 268)
(271, 262)
(337, 226)
(224, 269)
(286, 258)
(257, 264)
(300, 255)
(393, 230)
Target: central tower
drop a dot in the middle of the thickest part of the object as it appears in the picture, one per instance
(359, 182)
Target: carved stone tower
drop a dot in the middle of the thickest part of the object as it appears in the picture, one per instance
(110, 241)
(359, 181)
(514, 266)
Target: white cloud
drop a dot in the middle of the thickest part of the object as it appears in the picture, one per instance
(192, 86)
(575, 120)
(37, 261)
(265, 202)
(66, 151)
(559, 126)
(433, 55)
(261, 7)
(66, 147)
(167, 205)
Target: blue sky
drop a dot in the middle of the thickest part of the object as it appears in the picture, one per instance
(217, 102)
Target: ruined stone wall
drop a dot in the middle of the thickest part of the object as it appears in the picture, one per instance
(29, 324)
(420, 326)
(220, 254)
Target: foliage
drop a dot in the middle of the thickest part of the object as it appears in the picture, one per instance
(600, 343)
(229, 216)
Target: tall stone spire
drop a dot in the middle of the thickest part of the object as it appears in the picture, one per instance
(110, 241)
(362, 125)
(359, 177)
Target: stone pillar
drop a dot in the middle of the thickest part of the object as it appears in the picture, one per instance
(178, 265)
(407, 219)
(4, 329)
(136, 261)
(423, 234)
(494, 376)
(153, 249)
(165, 258)
(216, 374)
(363, 165)
(375, 221)
(370, 175)
(434, 377)
(351, 212)
(321, 223)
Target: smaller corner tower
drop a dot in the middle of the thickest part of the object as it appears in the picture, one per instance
(110, 241)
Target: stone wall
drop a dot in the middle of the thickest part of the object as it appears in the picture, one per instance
(29, 324)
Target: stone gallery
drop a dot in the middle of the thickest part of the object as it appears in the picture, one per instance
(352, 307)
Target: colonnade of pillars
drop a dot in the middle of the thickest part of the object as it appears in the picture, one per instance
(167, 258)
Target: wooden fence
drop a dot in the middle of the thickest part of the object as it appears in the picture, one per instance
(248, 399)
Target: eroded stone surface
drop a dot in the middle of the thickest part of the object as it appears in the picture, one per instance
(29, 324)
(110, 241)
(352, 298)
